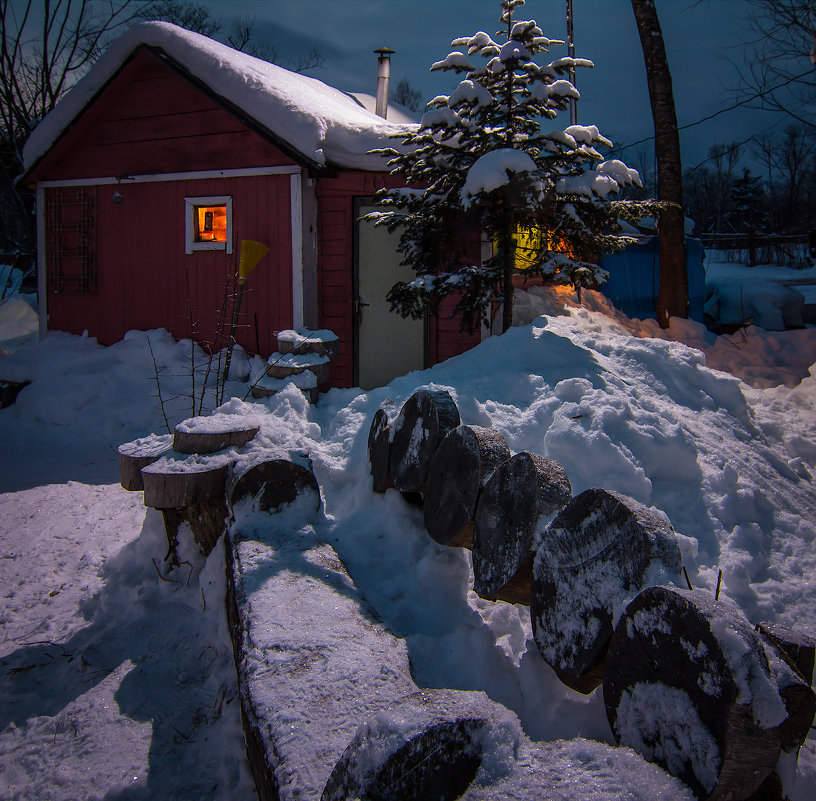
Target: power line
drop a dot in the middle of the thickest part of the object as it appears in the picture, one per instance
(723, 110)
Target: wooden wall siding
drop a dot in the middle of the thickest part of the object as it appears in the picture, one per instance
(446, 338)
(335, 270)
(151, 120)
(145, 278)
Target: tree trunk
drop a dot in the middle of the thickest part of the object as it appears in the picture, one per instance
(463, 460)
(672, 299)
(133, 456)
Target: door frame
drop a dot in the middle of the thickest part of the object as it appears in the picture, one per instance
(357, 202)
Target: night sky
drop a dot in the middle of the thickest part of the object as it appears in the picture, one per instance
(701, 36)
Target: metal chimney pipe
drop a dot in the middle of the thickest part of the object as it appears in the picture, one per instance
(383, 79)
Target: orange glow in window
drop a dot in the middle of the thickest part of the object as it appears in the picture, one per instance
(211, 224)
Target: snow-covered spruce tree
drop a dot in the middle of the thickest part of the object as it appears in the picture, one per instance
(479, 157)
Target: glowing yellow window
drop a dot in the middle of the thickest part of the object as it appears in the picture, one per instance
(529, 242)
(208, 223)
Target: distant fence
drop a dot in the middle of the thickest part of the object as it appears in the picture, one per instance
(792, 250)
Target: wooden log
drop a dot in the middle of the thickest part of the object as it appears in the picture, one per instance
(208, 435)
(206, 521)
(323, 343)
(423, 422)
(170, 484)
(798, 648)
(461, 463)
(688, 686)
(379, 450)
(274, 483)
(429, 745)
(794, 689)
(133, 456)
(9, 390)
(593, 555)
(519, 499)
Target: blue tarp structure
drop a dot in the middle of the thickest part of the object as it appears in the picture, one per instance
(634, 278)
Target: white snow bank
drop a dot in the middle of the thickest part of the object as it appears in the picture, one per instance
(19, 324)
(320, 122)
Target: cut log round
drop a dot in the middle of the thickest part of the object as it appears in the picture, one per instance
(519, 499)
(688, 686)
(194, 436)
(423, 422)
(794, 689)
(429, 745)
(274, 483)
(379, 450)
(461, 463)
(798, 648)
(169, 486)
(323, 343)
(133, 456)
(593, 555)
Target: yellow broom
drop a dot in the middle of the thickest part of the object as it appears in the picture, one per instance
(250, 254)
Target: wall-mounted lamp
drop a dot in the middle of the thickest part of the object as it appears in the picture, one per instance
(117, 198)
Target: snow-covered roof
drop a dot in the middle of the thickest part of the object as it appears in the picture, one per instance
(322, 124)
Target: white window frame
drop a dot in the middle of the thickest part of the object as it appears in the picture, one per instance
(190, 204)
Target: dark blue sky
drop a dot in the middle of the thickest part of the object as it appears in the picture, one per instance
(700, 35)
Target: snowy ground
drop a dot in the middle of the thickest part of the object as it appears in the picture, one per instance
(119, 684)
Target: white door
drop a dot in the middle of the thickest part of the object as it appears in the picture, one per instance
(387, 344)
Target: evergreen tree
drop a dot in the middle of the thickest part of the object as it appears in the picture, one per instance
(747, 203)
(479, 156)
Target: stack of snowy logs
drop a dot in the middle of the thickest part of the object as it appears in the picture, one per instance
(687, 681)
(191, 475)
(302, 359)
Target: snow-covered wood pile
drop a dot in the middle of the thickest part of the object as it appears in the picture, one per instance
(330, 708)
(302, 359)
(686, 680)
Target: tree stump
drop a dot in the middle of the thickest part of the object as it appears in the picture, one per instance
(794, 689)
(458, 468)
(208, 435)
(379, 450)
(688, 686)
(593, 556)
(274, 483)
(206, 521)
(521, 497)
(429, 745)
(323, 343)
(423, 422)
(174, 485)
(133, 456)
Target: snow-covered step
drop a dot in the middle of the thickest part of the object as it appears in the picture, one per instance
(264, 386)
(304, 340)
(283, 365)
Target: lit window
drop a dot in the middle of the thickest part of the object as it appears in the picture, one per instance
(530, 241)
(208, 223)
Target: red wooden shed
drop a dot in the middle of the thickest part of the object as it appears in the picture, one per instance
(175, 147)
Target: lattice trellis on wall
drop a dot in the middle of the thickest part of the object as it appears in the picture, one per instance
(70, 214)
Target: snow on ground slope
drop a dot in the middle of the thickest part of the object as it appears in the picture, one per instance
(731, 466)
